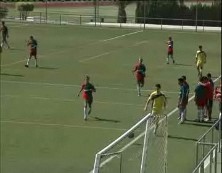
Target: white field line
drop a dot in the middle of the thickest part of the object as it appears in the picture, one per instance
(39, 56)
(55, 52)
(68, 100)
(124, 35)
(109, 52)
(17, 25)
(13, 63)
(94, 57)
(141, 42)
(140, 135)
(59, 125)
(77, 86)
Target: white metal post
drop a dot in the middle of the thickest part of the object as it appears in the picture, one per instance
(97, 163)
(145, 143)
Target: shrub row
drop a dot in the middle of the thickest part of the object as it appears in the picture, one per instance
(168, 10)
(47, 0)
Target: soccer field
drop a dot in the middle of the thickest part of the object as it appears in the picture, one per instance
(42, 126)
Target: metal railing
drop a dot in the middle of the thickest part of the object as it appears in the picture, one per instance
(207, 147)
(212, 156)
(111, 21)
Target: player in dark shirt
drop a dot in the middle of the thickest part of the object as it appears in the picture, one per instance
(87, 89)
(5, 35)
(32, 44)
(140, 73)
(170, 50)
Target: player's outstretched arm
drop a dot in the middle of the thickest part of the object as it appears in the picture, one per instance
(79, 92)
(147, 103)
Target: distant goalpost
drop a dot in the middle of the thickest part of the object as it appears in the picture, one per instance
(137, 150)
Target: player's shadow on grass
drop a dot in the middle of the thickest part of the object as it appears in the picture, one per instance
(201, 124)
(47, 68)
(182, 138)
(180, 64)
(107, 120)
(15, 75)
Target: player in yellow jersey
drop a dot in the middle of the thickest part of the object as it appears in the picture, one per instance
(158, 100)
(200, 60)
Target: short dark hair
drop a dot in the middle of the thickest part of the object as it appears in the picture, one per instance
(201, 79)
(180, 79)
(158, 85)
(200, 46)
(209, 75)
(87, 76)
(184, 77)
(3, 22)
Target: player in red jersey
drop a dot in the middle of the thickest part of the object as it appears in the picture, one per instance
(32, 44)
(209, 84)
(140, 73)
(170, 50)
(87, 89)
(217, 95)
(200, 99)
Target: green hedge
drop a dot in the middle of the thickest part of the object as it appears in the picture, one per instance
(24, 8)
(172, 10)
(3, 12)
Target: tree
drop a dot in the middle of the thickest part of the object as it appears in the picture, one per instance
(142, 11)
(24, 8)
(3, 12)
(122, 17)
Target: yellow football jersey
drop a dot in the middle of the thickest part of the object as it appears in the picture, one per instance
(159, 101)
(201, 57)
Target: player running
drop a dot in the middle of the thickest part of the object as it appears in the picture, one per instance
(170, 50)
(140, 73)
(158, 100)
(32, 44)
(200, 60)
(87, 89)
(5, 35)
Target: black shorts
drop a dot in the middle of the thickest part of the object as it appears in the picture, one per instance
(209, 104)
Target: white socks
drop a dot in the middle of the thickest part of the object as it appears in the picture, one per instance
(85, 113)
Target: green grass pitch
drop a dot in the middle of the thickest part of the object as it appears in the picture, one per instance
(42, 126)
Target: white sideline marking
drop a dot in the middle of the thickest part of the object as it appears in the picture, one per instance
(13, 63)
(120, 36)
(18, 25)
(74, 85)
(59, 125)
(140, 135)
(94, 57)
(55, 52)
(107, 53)
(142, 42)
(39, 56)
(69, 100)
